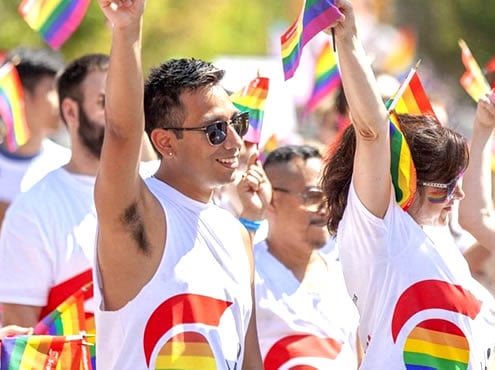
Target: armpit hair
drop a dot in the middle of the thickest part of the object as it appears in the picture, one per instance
(133, 221)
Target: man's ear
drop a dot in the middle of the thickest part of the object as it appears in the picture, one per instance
(164, 141)
(70, 112)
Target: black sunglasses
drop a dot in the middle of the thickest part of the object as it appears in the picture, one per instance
(216, 132)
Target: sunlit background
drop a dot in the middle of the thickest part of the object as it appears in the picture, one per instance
(243, 37)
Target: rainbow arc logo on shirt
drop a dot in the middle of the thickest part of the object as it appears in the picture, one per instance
(435, 343)
(187, 349)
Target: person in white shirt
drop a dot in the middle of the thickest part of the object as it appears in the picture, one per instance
(47, 241)
(419, 305)
(303, 312)
(174, 273)
(21, 169)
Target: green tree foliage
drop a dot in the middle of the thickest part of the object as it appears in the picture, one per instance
(205, 29)
(172, 28)
(441, 23)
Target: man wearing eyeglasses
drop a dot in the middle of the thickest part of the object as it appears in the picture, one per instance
(304, 315)
(174, 271)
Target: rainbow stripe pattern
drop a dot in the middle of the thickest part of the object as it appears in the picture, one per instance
(252, 99)
(411, 98)
(187, 350)
(55, 20)
(67, 319)
(315, 16)
(436, 344)
(401, 165)
(327, 77)
(12, 107)
(473, 79)
(43, 352)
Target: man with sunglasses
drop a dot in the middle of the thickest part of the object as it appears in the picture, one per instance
(174, 272)
(303, 312)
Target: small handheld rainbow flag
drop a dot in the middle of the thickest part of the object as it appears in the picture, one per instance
(327, 77)
(67, 319)
(55, 20)
(473, 80)
(401, 165)
(270, 145)
(12, 107)
(315, 16)
(411, 98)
(44, 352)
(252, 99)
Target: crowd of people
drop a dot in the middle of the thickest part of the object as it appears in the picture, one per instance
(202, 257)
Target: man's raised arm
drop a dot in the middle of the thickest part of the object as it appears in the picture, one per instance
(118, 183)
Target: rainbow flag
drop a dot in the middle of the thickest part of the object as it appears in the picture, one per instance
(55, 20)
(251, 98)
(270, 145)
(473, 80)
(315, 16)
(12, 107)
(67, 319)
(411, 98)
(401, 165)
(44, 352)
(327, 77)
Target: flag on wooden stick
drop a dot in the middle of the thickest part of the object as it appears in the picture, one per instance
(315, 16)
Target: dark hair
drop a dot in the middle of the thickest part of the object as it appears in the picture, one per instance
(164, 86)
(34, 64)
(70, 80)
(439, 154)
(286, 153)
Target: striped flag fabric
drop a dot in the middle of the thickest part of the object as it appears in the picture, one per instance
(55, 20)
(473, 80)
(401, 165)
(67, 319)
(411, 97)
(252, 98)
(269, 146)
(315, 16)
(44, 352)
(326, 77)
(12, 107)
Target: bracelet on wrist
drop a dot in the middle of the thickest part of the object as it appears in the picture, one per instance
(250, 225)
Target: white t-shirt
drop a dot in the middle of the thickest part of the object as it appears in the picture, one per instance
(195, 310)
(418, 302)
(18, 174)
(48, 237)
(302, 327)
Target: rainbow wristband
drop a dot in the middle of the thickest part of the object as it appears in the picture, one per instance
(249, 224)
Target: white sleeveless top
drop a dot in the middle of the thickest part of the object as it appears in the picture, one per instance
(194, 312)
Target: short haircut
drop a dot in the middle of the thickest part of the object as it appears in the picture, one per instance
(70, 80)
(34, 64)
(165, 84)
(286, 153)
